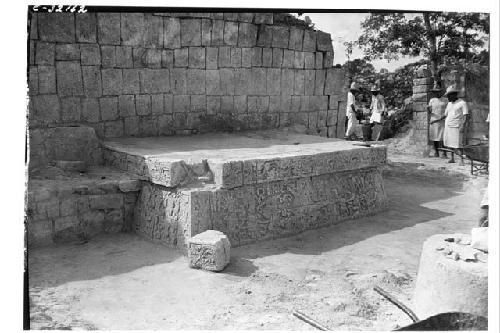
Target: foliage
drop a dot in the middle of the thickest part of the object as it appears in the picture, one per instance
(438, 37)
(397, 86)
(360, 70)
(390, 36)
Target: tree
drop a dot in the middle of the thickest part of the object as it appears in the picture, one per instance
(349, 46)
(439, 37)
(397, 86)
(360, 70)
(363, 73)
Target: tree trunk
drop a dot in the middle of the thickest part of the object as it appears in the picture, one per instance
(431, 41)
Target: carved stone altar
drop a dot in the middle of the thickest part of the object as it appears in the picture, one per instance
(250, 186)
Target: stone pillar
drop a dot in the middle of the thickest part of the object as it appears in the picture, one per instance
(422, 86)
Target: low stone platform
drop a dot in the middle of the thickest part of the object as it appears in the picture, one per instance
(67, 206)
(251, 186)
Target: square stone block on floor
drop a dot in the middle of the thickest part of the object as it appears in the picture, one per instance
(209, 250)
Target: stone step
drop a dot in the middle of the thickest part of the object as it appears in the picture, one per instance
(66, 206)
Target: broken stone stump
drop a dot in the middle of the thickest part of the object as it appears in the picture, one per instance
(209, 250)
(449, 283)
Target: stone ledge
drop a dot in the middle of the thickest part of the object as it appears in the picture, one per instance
(210, 158)
(64, 206)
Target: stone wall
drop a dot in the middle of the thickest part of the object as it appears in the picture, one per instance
(147, 74)
(419, 134)
(76, 210)
(64, 143)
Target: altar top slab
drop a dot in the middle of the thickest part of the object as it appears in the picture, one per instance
(228, 146)
(239, 158)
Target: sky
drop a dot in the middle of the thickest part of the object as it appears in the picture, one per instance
(347, 27)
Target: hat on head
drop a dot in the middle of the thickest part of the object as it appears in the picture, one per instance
(451, 90)
(436, 87)
(354, 86)
(375, 88)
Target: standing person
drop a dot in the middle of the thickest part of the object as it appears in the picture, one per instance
(378, 110)
(351, 110)
(436, 108)
(456, 115)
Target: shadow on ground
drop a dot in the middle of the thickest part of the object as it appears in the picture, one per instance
(103, 255)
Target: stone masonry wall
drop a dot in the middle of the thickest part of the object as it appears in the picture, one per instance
(64, 143)
(59, 211)
(147, 74)
(422, 86)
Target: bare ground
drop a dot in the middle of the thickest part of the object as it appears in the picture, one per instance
(124, 282)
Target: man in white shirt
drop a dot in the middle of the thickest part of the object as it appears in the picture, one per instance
(351, 110)
(378, 110)
(455, 116)
(377, 107)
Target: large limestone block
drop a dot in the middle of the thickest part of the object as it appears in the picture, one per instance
(132, 29)
(335, 81)
(324, 41)
(263, 18)
(86, 28)
(309, 41)
(69, 78)
(172, 33)
(190, 32)
(247, 36)
(56, 27)
(209, 250)
(108, 28)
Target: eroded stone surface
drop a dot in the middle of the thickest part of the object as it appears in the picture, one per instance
(279, 184)
(209, 250)
(260, 211)
(172, 162)
(64, 143)
(277, 209)
(163, 215)
(66, 206)
(440, 277)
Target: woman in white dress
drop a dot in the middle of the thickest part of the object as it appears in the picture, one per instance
(436, 109)
(456, 115)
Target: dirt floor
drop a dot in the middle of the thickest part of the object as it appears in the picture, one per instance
(124, 282)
